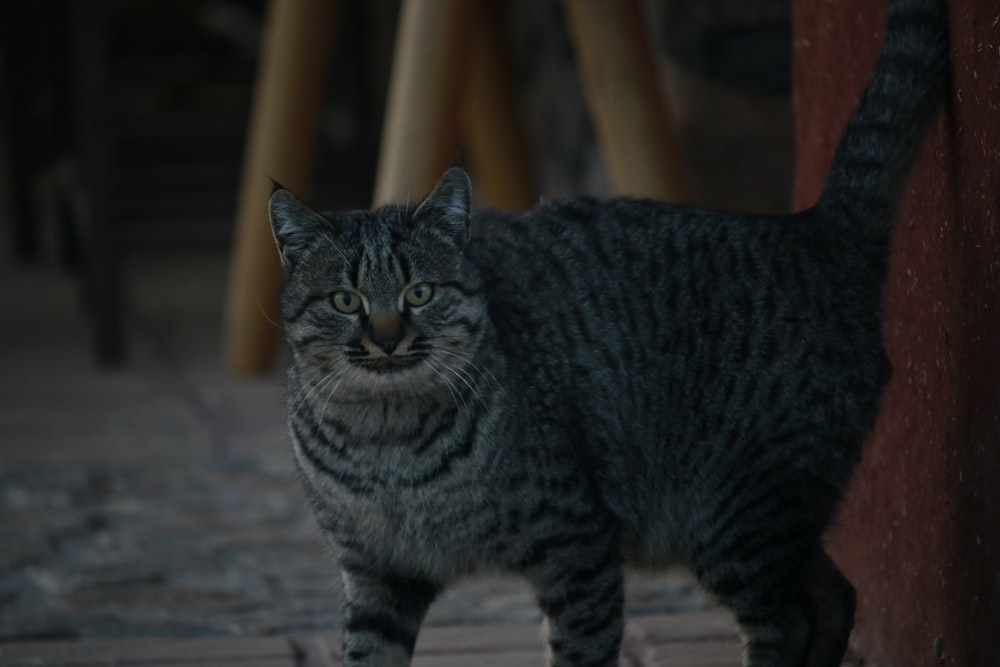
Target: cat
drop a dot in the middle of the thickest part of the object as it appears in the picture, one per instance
(590, 384)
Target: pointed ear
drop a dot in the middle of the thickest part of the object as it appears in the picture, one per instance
(293, 224)
(447, 207)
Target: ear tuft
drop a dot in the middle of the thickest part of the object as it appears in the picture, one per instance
(448, 205)
(293, 224)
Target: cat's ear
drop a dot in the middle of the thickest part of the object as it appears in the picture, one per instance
(447, 207)
(293, 224)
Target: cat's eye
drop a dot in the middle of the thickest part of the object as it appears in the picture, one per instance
(419, 294)
(346, 301)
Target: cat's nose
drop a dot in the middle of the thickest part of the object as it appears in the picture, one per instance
(385, 331)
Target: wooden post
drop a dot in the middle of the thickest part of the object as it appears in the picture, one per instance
(918, 532)
(294, 62)
(494, 135)
(421, 128)
(623, 91)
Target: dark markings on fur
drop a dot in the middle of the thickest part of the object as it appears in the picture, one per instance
(303, 307)
(594, 381)
(449, 458)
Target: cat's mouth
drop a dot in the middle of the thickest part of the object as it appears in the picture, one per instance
(390, 364)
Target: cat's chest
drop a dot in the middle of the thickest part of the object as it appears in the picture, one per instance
(395, 511)
(438, 527)
(417, 487)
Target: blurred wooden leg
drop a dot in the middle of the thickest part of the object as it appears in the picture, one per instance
(288, 93)
(103, 274)
(623, 91)
(421, 128)
(494, 135)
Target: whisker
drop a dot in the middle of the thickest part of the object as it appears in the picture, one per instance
(452, 389)
(469, 382)
(336, 246)
(347, 369)
(312, 389)
(468, 360)
(260, 307)
(308, 388)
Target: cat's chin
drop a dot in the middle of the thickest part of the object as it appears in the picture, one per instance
(390, 365)
(410, 378)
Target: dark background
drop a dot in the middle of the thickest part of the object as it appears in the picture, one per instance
(155, 495)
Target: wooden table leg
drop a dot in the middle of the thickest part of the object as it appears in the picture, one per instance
(421, 128)
(293, 67)
(494, 134)
(623, 91)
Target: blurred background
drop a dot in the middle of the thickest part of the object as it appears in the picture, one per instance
(145, 489)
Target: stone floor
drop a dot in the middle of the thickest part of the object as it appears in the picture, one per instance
(158, 500)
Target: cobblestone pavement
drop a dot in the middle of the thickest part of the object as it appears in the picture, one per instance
(159, 499)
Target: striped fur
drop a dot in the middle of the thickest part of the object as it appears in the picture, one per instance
(596, 383)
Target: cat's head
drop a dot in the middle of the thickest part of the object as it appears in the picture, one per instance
(384, 301)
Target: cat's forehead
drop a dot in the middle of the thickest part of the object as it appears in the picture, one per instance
(383, 227)
(384, 247)
(393, 229)
(377, 228)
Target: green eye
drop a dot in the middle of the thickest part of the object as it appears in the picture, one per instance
(419, 294)
(346, 301)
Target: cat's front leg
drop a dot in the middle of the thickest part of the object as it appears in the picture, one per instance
(382, 615)
(581, 592)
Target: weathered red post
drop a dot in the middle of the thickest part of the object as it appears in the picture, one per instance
(919, 534)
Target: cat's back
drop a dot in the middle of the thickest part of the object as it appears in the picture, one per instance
(658, 268)
(680, 330)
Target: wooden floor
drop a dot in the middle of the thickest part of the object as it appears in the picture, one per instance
(689, 639)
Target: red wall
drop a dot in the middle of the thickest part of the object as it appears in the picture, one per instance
(919, 534)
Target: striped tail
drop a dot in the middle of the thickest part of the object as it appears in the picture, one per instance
(883, 135)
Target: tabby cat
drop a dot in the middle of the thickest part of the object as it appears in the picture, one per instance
(590, 384)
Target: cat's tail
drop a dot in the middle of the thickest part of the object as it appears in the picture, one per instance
(883, 135)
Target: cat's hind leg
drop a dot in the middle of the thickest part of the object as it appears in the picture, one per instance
(803, 625)
(754, 556)
(776, 628)
(833, 600)
(817, 614)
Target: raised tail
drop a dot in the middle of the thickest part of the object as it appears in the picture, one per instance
(883, 135)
